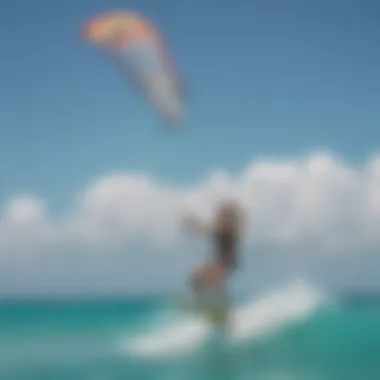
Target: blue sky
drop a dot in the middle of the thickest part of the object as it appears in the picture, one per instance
(266, 79)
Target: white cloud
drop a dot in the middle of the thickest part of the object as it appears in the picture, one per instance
(315, 205)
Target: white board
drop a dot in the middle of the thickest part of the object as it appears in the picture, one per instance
(251, 321)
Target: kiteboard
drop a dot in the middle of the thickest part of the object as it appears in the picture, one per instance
(253, 319)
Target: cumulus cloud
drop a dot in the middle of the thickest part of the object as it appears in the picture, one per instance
(315, 205)
(288, 203)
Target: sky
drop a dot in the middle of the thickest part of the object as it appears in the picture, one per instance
(282, 114)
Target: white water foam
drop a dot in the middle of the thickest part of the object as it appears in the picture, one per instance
(259, 317)
(177, 337)
(273, 311)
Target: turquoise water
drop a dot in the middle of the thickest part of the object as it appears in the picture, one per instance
(91, 339)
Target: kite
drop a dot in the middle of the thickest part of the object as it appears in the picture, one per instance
(138, 49)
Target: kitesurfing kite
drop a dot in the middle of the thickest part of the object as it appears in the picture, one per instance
(139, 50)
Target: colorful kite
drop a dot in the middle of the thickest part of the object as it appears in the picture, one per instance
(140, 52)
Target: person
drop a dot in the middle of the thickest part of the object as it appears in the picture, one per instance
(209, 281)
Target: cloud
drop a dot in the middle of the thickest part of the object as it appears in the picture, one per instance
(313, 205)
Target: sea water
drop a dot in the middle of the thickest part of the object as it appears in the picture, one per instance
(293, 333)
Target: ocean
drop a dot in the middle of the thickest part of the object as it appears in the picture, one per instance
(291, 333)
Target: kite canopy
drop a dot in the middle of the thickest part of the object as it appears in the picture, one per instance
(139, 50)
